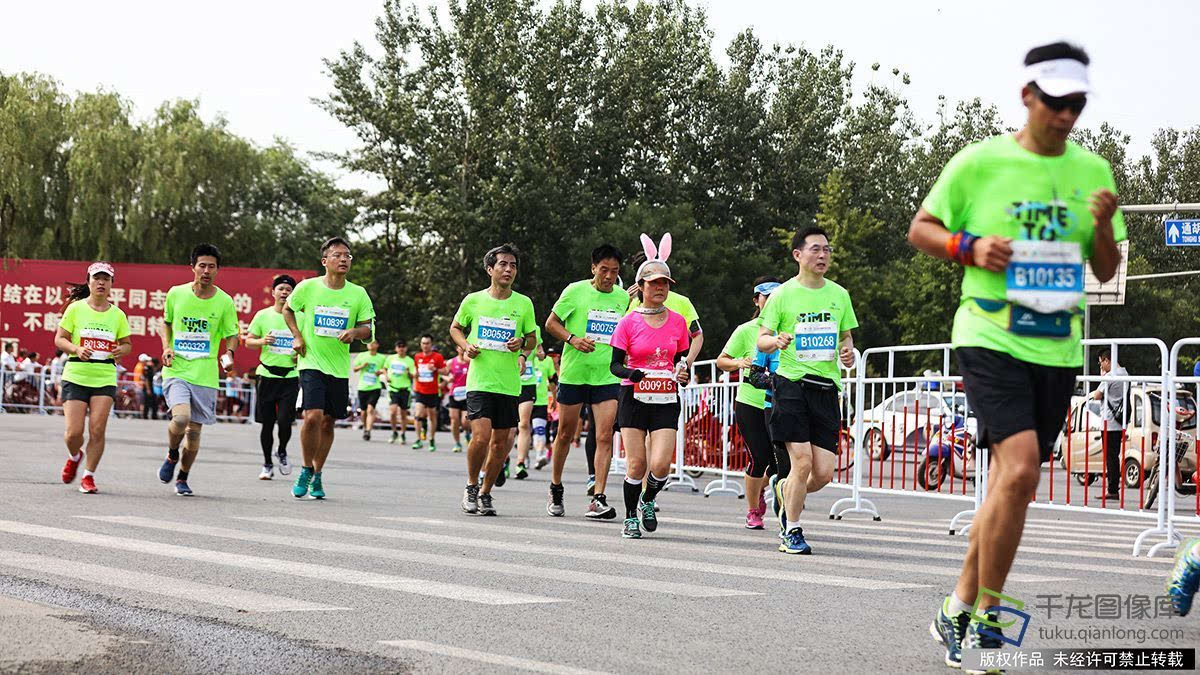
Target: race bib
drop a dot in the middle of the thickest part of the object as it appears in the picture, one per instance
(527, 374)
(101, 342)
(492, 334)
(601, 324)
(459, 393)
(191, 346)
(369, 379)
(425, 373)
(658, 387)
(1045, 276)
(330, 321)
(283, 343)
(399, 369)
(816, 341)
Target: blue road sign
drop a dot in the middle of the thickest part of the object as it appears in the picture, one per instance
(1182, 232)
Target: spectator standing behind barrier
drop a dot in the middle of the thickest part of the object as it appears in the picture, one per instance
(1113, 415)
(149, 397)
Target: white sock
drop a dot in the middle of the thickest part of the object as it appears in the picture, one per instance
(792, 524)
(956, 606)
(87, 473)
(77, 457)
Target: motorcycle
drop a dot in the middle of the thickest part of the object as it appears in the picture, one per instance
(950, 453)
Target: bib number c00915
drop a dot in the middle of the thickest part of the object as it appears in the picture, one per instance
(658, 387)
(494, 333)
(1045, 276)
(816, 341)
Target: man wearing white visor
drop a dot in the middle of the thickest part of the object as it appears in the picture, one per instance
(1022, 213)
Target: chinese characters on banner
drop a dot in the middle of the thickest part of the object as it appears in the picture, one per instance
(32, 293)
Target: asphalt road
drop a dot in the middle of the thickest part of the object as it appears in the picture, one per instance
(387, 575)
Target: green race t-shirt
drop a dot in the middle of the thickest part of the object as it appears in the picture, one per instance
(529, 375)
(587, 312)
(488, 324)
(742, 344)
(100, 332)
(327, 313)
(197, 328)
(369, 378)
(816, 318)
(279, 355)
(545, 371)
(676, 302)
(399, 372)
(996, 187)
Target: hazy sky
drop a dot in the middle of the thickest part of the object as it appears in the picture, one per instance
(258, 62)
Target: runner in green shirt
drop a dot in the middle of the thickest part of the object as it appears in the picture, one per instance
(370, 366)
(398, 371)
(738, 355)
(584, 318)
(197, 318)
(278, 380)
(496, 329)
(1022, 213)
(336, 312)
(533, 389)
(94, 333)
(808, 319)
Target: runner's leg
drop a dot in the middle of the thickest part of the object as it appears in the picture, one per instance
(326, 441)
(795, 490)
(524, 431)
(568, 423)
(99, 408)
(478, 449)
(310, 435)
(286, 414)
(269, 412)
(191, 447)
(498, 446)
(603, 415)
(75, 414)
(181, 417)
(635, 468)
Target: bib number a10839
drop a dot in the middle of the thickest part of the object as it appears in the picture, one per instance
(816, 341)
(330, 321)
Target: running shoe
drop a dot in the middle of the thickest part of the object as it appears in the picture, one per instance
(1185, 577)
(780, 511)
(366, 435)
(754, 520)
(762, 504)
(502, 477)
(284, 467)
(88, 486)
(182, 489)
(167, 471)
(541, 463)
(316, 490)
(403, 437)
(793, 542)
(554, 505)
(949, 630)
(470, 502)
(631, 530)
(457, 447)
(300, 487)
(600, 510)
(432, 446)
(649, 520)
(395, 437)
(267, 473)
(977, 640)
(522, 473)
(71, 468)
(485, 504)
(419, 445)
(591, 485)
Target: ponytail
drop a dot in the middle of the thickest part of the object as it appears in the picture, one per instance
(76, 292)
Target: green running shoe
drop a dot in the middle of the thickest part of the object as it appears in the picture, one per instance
(317, 491)
(419, 444)
(458, 447)
(631, 530)
(649, 520)
(300, 487)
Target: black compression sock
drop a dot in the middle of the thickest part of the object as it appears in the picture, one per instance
(181, 476)
(653, 487)
(632, 492)
(173, 455)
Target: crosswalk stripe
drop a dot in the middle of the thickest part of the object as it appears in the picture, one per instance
(644, 560)
(246, 601)
(534, 572)
(476, 594)
(1133, 525)
(487, 657)
(856, 546)
(1105, 533)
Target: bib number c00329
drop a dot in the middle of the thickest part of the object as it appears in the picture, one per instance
(816, 341)
(658, 387)
(330, 321)
(493, 333)
(191, 346)
(1045, 276)
(601, 324)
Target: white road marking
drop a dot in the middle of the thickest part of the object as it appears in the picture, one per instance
(487, 657)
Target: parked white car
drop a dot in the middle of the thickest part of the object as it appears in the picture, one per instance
(907, 420)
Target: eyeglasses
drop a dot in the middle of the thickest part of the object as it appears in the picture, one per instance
(340, 256)
(1060, 103)
(815, 249)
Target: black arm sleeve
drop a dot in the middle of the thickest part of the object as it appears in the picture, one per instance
(617, 367)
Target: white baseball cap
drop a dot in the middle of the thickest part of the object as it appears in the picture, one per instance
(98, 267)
(1059, 77)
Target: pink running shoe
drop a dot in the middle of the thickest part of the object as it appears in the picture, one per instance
(754, 520)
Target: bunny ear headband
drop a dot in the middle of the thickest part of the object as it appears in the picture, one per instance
(656, 257)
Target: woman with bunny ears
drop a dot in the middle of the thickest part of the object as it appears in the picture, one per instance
(649, 353)
(676, 302)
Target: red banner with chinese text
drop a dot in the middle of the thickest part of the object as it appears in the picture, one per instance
(32, 293)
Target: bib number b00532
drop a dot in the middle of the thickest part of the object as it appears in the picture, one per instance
(658, 387)
(330, 321)
(493, 333)
(1045, 276)
(601, 324)
(816, 341)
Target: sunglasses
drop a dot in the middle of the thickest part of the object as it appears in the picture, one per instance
(1061, 103)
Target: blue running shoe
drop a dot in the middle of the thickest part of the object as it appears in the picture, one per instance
(793, 542)
(649, 520)
(300, 487)
(631, 530)
(976, 640)
(949, 630)
(182, 489)
(316, 490)
(166, 472)
(1185, 577)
